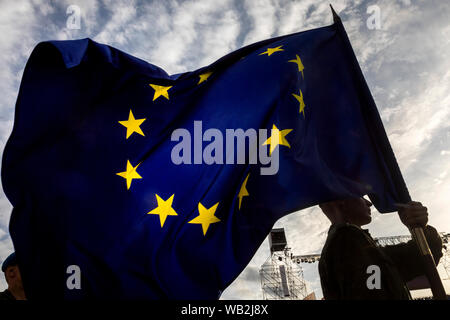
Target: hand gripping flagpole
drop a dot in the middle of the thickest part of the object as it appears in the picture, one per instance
(417, 233)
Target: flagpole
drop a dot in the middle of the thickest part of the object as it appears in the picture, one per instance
(437, 288)
(417, 232)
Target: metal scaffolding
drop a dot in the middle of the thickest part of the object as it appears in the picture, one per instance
(389, 241)
(445, 260)
(281, 278)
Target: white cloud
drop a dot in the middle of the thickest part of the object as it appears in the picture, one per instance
(116, 30)
(262, 14)
(213, 47)
(419, 118)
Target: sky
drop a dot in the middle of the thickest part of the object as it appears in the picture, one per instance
(404, 56)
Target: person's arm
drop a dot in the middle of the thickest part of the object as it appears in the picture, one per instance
(406, 256)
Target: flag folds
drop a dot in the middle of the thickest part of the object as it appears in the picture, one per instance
(127, 182)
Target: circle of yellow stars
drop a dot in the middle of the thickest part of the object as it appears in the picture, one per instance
(206, 216)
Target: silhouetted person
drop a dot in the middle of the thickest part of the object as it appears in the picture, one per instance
(12, 275)
(349, 251)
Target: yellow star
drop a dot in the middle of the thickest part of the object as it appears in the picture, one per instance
(160, 91)
(300, 100)
(205, 217)
(132, 125)
(269, 51)
(204, 77)
(277, 138)
(130, 174)
(243, 192)
(298, 61)
(164, 209)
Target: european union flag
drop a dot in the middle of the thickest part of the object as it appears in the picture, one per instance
(128, 183)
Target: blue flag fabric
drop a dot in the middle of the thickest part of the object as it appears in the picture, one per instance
(90, 171)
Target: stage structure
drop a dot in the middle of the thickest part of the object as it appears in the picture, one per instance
(281, 277)
(282, 274)
(445, 260)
